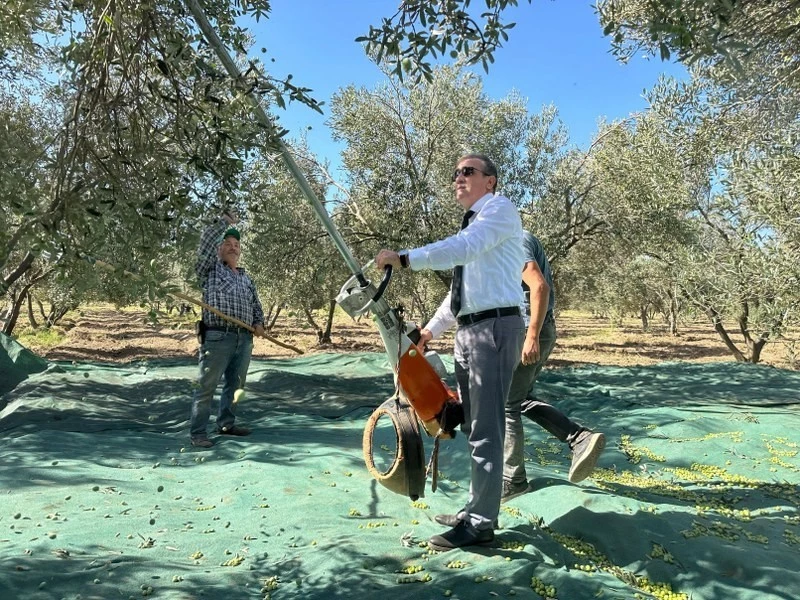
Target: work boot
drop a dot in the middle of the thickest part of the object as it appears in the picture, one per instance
(585, 453)
(202, 442)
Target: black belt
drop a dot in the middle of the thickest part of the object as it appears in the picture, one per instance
(492, 313)
(234, 328)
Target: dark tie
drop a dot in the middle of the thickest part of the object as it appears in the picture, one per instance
(458, 273)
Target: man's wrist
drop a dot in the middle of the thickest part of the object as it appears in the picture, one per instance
(229, 217)
(404, 260)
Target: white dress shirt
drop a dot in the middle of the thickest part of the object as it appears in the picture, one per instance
(490, 248)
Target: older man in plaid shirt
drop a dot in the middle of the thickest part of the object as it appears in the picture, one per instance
(226, 348)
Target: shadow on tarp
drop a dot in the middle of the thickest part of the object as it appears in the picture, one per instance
(32, 577)
(103, 496)
(92, 397)
(626, 545)
(676, 384)
(143, 409)
(292, 442)
(737, 560)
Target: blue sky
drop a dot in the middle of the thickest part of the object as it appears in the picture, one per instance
(556, 54)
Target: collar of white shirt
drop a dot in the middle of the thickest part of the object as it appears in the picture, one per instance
(479, 204)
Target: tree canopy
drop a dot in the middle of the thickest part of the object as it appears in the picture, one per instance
(122, 135)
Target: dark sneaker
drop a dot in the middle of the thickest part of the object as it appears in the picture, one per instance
(453, 520)
(512, 490)
(202, 443)
(585, 453)
(463, 534)
(234, 430)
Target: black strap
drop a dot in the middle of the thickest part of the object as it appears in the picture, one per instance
(458, 274)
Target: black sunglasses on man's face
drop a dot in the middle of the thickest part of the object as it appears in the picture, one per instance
(467, 172)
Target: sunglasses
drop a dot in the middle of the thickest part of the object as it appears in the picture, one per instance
(467, 172)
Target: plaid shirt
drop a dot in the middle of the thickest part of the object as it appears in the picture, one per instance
(232, 293)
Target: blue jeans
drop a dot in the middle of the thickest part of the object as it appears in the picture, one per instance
(222, 353)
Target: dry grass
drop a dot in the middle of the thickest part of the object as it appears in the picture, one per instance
(102, 333)
(587, 339)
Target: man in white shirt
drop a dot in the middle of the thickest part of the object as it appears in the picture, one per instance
(486, 257)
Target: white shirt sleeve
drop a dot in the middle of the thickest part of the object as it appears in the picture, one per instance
(442, 319)
(489, 227)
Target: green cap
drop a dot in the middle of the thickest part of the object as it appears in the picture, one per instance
(231, 231)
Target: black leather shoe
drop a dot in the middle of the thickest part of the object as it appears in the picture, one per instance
(463, 534)
(447, 520)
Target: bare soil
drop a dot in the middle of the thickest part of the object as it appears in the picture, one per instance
(104, 334)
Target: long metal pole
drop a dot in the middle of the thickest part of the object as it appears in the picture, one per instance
(214, 41)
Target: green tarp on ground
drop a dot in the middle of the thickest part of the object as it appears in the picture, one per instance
(16, 363)
(697, 494)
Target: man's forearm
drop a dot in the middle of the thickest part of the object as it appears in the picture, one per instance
(539, 295)
(206, 249)
(538, 310)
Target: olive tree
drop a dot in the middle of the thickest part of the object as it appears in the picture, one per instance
(402, 143)
(146, 134)
(710, 200)
(421, 31)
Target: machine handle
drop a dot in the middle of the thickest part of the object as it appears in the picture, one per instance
(387, 275)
